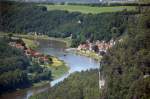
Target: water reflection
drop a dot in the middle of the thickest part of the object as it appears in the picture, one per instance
(75, 62)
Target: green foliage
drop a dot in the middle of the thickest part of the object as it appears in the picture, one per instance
(88, 9)
(23, 18)
(15, 69)
(126, 66)
(80, 85)
(12, 66)
(13, 79)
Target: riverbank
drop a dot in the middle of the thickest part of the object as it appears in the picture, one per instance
(30, 45)
(90, 54)
(86, 53)
(57, 66)
(67, 40)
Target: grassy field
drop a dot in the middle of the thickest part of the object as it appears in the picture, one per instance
(87, 9)
(58, 67)
(56, 62)
(45, 37)
(30, 43)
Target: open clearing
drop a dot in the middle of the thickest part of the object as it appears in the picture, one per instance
(88, 9)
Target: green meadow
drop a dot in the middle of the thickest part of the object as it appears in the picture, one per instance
(88, 9)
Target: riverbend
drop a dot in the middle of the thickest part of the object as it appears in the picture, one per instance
(57, 49)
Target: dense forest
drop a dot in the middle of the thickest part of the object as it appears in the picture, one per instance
(80, 85)
(126, 67)
(27, 17)
(16, 70)
(12, 66)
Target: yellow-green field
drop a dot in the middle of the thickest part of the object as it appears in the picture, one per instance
(30, 43)
(87, 9)
(58, 67)
(56, 62)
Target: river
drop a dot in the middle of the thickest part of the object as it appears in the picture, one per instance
(55, 48)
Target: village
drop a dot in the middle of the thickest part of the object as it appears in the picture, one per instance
(54, 64)
(34, 55)
(95, 49)
(99, 47)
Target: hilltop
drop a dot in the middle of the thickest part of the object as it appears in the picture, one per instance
(59, 1)
(79, 1)
(88, 9)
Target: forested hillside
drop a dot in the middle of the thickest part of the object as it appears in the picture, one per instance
(126, 67)
(80, 85)
(16, 70)
(13, 64)
(24, 18)
(61, 1)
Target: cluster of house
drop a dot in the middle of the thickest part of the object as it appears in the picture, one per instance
(35, 33)
(98, 46)
(32, 54)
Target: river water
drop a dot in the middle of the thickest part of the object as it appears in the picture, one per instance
(55, 48)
